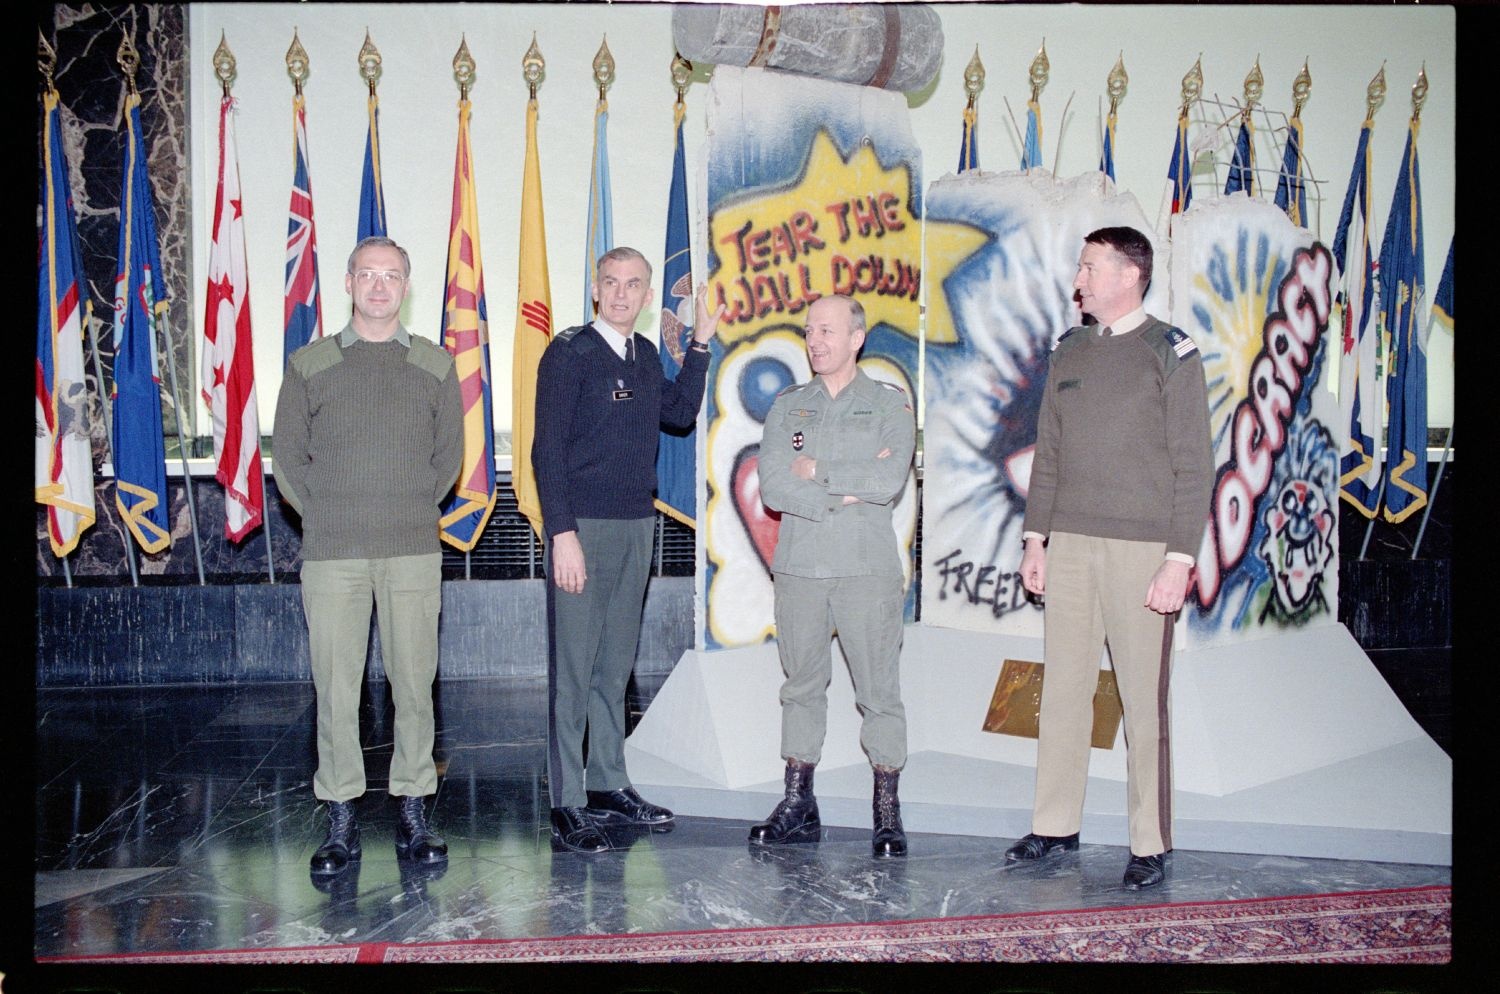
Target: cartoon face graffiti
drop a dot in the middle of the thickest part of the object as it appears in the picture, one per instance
(1300, 524)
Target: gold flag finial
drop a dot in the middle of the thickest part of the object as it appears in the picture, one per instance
(974, 77)
(533, 66)
(1301, 89)
(224, 63)
(297, 63)
(682, 69)
(1375, 92)
(128, 58)
(1255, 85)
(1040, 69)
(1192, 83)
(604, 67)
(46, 58)
(1117, 82)
(463, 67)
(1419, 93)
(369, 62)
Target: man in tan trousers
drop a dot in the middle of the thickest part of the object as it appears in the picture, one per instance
(1118, 502)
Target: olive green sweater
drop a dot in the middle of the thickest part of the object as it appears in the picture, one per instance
(1122, 445)
(368, 440)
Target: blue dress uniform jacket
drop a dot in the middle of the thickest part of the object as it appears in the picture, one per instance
(820, 535)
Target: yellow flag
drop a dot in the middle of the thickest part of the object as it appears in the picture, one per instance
(533, 329)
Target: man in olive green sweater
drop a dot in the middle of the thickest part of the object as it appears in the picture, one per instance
(369, 438)
(1115, 511)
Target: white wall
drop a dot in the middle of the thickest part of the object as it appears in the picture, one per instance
(418, 127)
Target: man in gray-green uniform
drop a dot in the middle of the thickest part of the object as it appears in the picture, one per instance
(834, 458)
(1117, 505)
(369, 438)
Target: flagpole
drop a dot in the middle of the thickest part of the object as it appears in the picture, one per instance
(1432, 497)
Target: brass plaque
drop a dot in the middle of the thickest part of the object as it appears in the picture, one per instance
(1017, 703)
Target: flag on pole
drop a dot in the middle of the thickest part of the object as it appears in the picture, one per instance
(968, 153)
(140, 303)
(64, 456)
(1404, 316)
(1442, 302)
(1107, 159)
(533, 329)
(1179, 192)
(1291, 195)
(303, 304)
(601, 236)
(1031, 154)
(1242, 166)
(466, 335)
(1360, 403)
(676, 455)
(228, 367)
(371, 196)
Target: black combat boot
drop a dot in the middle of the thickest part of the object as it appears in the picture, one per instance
(889, 838)
(342, 845)
(414, 840)
(796, 817)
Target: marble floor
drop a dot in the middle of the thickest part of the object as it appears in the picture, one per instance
(182, 818)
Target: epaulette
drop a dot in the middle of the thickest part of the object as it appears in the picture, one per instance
(1172, 345)
(892, 386)
(793, 387)
(426, 355)
(567, 334)
(1064, 337)
(318, 355)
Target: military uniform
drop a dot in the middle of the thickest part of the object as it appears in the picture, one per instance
(837, 566)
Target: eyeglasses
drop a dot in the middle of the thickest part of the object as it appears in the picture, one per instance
(366, 277)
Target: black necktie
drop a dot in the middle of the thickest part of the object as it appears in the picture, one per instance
(630, 350)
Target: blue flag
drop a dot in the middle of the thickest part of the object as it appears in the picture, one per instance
(1107, 159)
(1179, 191)
(1031, 155)
(1360, 406)
(601, 236)
(676, 455)
(371, 196)
(968, 154)
(1291, 195)
(140, 302)
(1442, 302)
(1402, 299)
(1242, 166)
(64, 455)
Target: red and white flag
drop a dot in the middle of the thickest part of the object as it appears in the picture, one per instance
(228, 370)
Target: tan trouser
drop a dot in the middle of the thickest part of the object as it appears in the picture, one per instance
(336, 596)
(1096, 592)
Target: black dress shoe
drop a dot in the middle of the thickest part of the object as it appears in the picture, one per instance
(625, 805)
(1145, 871)
(572, 830)
(414, 840)
(341, 847)
(1034, 846)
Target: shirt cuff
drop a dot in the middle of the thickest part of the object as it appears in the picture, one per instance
(1181, 557)
(1036, 535)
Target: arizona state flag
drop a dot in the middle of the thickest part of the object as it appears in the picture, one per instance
(466, 335)
(1360, 401)
(228, 369)
(533, 329)
(601, 236)
(64, 456)
(371, 194)
(302, 309)
(676, 453)
(140, 302)
(1291, 196)
(1403, 311)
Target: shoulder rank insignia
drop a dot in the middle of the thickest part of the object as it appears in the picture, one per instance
(1062, 338)
(1180, 342)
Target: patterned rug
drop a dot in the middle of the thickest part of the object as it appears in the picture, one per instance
(1409, 925)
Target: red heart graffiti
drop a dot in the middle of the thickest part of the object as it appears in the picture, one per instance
(761, 524)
